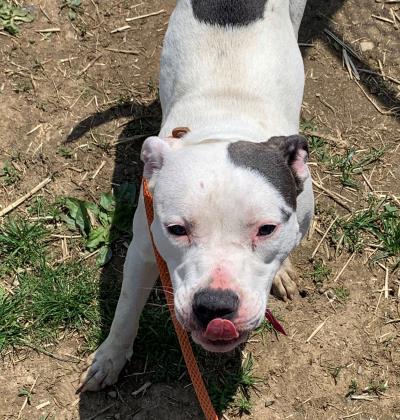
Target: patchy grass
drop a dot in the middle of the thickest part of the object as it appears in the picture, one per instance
(11, 16)
(377, 388)
(44, 299)
(342, 293)
(22, 245)
(73, 7)
(8, 174)
(353, 388)
(320, 273)
(65, 152)
(376, 226)
(230, 383)
(354, 163)
(41, 208)
(348, 164)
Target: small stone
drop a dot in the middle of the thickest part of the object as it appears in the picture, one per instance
(360, 370)
(268, 403)
(367, 46)
(112, 394)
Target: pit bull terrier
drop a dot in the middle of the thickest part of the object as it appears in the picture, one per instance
(232, 192)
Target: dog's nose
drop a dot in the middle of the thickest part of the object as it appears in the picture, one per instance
(209, 304)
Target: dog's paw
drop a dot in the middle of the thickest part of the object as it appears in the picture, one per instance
(102, 368)
(284, 285)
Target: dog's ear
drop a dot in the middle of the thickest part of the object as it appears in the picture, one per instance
(152, 155)
(295, 152)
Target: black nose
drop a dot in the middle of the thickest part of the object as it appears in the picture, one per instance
(209, 304)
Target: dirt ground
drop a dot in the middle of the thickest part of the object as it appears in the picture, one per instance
(93, 89)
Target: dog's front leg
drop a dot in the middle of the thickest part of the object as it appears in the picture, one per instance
(140, 273)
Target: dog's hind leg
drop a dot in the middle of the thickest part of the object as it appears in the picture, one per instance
(140, 273)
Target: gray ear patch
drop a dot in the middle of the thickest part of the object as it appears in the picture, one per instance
(228, 12)
(270, 163)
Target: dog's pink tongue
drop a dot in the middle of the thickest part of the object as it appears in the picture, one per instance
(221, 329)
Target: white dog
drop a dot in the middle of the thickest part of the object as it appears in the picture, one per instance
(232, 192)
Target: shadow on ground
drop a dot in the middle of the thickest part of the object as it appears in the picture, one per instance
(157, 357)
(318, 17)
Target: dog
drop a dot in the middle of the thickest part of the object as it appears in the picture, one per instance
(232, 191)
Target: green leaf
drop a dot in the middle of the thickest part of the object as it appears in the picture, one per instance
(74, 3)
(104, 256)
(106, 219)
(123, 219)
(97, 237)
(79, 214)
(126, 192)
(107, 202)
(69, 222)
(94, 208)
(71, 14)
(11, 28)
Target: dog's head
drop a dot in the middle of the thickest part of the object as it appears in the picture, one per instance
(225, 219)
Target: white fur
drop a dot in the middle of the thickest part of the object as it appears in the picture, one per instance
(225, 85)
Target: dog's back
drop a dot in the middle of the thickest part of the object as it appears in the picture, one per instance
(230, 59)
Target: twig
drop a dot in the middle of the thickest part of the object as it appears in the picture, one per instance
(392, 321)
(144, 16)
(101, 411)
(116, 50)
(316, 331)
(372, 102)
(91, 254)
(67, 236)
(90, 64)
(386, 283)
(48, 30)
(42, 405)
(29, 194)
(318, 95)
(45, 14)
(52, 355)
(323, 237)
(379, 301)
(120, 29)
(363, 397)
(383, 19)
(392, 79)
(343, 268)
(367, 182)
(341, 43)
(351, 415)
(98, 169)
(142, 389)
(334, 196)
(27, 398)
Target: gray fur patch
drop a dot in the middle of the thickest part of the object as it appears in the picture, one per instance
(305, 223)
(285, 215)
(228, 12)
(270, 163)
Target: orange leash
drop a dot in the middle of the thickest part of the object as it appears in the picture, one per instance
(187, 351)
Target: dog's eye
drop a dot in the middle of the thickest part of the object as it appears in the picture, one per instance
(266, 230)
(177, 230)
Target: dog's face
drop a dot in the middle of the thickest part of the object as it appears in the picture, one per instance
(225, 219)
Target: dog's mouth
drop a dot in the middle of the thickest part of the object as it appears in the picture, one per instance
(220, 336)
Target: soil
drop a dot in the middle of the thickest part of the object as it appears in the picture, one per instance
(74, 89)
